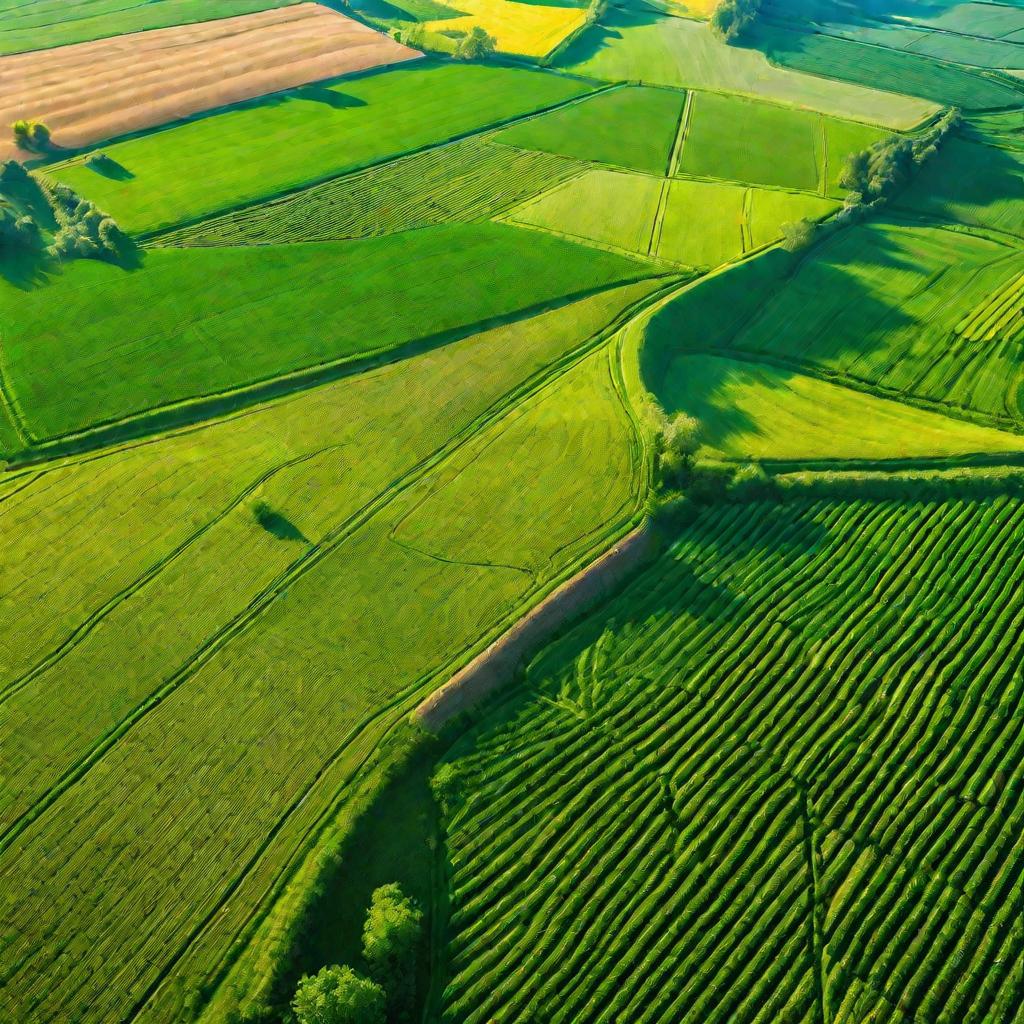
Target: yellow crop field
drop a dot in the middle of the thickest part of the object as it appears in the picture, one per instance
(529, 29)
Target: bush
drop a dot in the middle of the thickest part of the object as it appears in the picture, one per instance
(31, 135)
(677, 441)
(337, 995)
(391, 939)
(476, 45)
(17, 232)
(798, 235)
(731, 18)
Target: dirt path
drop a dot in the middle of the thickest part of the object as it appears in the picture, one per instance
(497, 665)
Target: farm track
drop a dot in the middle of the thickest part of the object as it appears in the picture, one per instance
(768, 632)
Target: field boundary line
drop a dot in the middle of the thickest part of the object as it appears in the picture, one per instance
(682, 131)
(493, 126)
(9, 405)
(823, 170)
(204, 408)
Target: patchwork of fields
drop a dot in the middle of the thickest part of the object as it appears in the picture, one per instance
(326, 382)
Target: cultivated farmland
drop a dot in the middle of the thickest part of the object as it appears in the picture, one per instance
(99, 90)
(530, 534)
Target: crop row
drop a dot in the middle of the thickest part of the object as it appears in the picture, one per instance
(778, 778)
(999, 312)
(469, 180)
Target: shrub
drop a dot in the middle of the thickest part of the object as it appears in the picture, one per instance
(476, 45)
(17, 232)
(677, 441)
(732, 17)
(337, 995)
(391, 940)
(31, 135)
(798, 235)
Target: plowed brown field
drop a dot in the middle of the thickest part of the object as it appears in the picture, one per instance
(99, 90)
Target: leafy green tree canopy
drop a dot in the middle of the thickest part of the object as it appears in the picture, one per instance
(337, 995)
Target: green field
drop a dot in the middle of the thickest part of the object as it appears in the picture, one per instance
(972, 184)
(678, 52)
(756, 143)
(313, 303)
(880, 67)
(466, 181)
(708, 223)
(258, 150)
(252, 758)
(633, 127)
(749, 411)
(911, 312)
(775, 780)
(38, 24)
(608, 207)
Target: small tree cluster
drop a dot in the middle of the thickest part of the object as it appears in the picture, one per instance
(879, 172)
(476, 45)
(731, 18)
(32, 136)
(16, 232)
(798, 235)
(391, 938)
(85, 231)
(12, 173)
(676, 444)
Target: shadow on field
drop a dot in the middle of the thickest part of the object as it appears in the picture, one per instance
(607, 32)
(329, 97)
(107, 167)
(26, 269)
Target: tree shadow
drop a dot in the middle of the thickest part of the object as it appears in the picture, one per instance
(329, 97)
(607, 32)
(108, 167)
(27, 269)
(276, 524)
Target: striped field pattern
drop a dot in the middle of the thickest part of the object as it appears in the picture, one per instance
(469, 180)
(777, 781)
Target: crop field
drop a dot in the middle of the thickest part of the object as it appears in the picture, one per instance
(607, 207)
(752, 412)
(466, 181)
(254, 152)
(98, 90)
(634, 47)
(293, 598)
(634, 128)
(881, 67)
(777, 779)
(169, 352)
(530, 29)
(38, 24)
(882, 308)
(778, 145)
(495, 530)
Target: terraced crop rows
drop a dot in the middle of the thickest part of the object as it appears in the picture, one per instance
(1002, 314)
(466, 181)
(778, 780)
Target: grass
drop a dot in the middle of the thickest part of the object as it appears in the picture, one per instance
(40, 24)
(633, 128)
(607, 207)
(530, 29)
(642, 47)
(466, 181)
(212, 759)
(777, 145)
(748, 411)
(775, 775)
(313, 303)
(880, 307)
(257, 150)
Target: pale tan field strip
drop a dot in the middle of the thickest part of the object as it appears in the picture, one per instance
(93, 91)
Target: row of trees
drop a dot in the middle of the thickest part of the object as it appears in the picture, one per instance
(85, 231)
(731, 18)
(874, 175)
(392, 936)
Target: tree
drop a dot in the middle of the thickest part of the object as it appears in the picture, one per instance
(31, 135)
(797, 235)
(731, 17)
(678, 442)
(477, 45)
(337, 995)
(391, 940)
